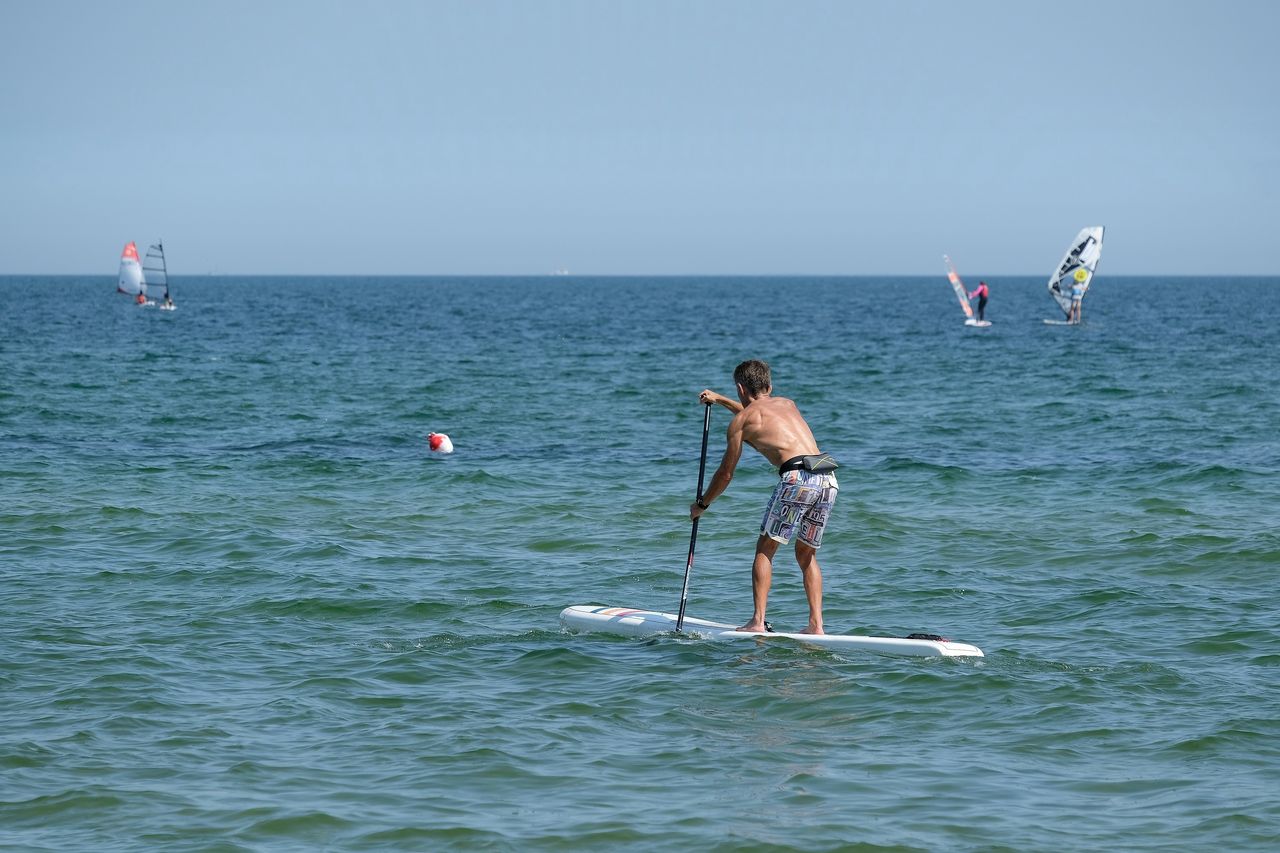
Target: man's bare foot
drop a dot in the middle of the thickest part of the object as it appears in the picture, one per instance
(813, 629)
(753, 628)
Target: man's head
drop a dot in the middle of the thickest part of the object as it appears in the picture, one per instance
(752, 379)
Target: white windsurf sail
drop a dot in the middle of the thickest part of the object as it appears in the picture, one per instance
(1077, 266)
(958, 286)
(154, 269)
(131, 280)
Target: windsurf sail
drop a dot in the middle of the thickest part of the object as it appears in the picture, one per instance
(958, 285)
(154, 270)
(131, 280)
(1077, 266)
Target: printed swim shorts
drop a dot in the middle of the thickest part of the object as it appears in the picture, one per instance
(801, 502)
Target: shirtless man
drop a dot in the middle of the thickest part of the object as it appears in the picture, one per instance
(802, 500)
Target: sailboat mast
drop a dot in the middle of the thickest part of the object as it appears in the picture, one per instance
(164, 267)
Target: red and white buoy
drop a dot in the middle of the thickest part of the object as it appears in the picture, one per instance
(439, 443)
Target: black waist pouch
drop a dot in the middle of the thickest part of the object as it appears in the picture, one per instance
(820, 463)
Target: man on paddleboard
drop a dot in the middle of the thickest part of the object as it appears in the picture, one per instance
(801, 502)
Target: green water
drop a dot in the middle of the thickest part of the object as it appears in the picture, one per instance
(246, 609)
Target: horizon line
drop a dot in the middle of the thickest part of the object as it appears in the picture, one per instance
(629, 275)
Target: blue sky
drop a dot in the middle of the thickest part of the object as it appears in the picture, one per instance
(844, 138)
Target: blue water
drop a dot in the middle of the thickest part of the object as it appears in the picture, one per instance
(246, 609)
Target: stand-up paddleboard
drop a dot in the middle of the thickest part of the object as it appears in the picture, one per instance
(642, 623)
(981, 324)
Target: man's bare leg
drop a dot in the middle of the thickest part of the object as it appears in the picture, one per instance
(807, 557)
(761, 579)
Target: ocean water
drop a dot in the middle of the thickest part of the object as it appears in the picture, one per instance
(246, 609)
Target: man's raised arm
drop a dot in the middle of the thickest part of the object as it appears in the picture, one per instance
(708, 397)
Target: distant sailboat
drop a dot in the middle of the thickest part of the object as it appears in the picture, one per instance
(962, 295)
(1076, 268)
(157, 273)
(131, 280)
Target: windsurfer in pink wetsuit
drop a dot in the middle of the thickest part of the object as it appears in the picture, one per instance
(981, 292)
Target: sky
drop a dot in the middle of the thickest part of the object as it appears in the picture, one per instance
(610, 137)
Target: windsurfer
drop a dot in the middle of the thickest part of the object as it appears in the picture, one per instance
(981, 292)
(801, 502)
(1077, 298)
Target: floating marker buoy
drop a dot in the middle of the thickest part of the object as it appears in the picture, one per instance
(439, 443)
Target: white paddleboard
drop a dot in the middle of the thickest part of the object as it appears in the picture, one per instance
(1059, 323)
(631, 622)
(982, 324)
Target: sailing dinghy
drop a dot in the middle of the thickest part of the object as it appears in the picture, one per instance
(131, 280)
(1076, 268)
(963, 295)
(588, 618)
(157, 273)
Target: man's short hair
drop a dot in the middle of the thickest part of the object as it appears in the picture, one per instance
(753, 376)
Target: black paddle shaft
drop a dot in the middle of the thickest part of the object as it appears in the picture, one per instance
(693, 535)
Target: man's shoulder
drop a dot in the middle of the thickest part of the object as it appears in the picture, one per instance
(765, 409)
(783, 403)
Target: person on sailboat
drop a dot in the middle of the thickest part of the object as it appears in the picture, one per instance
(1077, 298)
(141, 299)
(802, 500)
(981, 292)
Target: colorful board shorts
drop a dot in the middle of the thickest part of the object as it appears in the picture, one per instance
(801, 502)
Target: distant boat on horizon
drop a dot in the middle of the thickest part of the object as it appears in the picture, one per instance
(131, 281)
(156, 271)
(134, 274)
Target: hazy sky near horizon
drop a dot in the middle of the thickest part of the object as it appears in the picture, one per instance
(646, 137)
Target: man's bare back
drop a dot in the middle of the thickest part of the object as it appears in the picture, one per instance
(774, 427)
(771, 425)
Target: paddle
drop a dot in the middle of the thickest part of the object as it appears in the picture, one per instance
(693, 536)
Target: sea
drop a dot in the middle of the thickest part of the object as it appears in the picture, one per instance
(246, 608)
